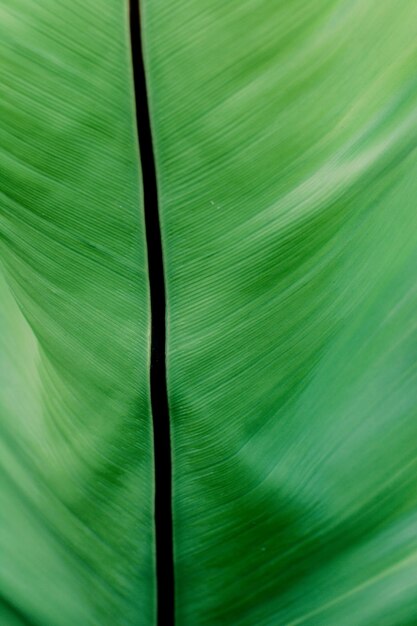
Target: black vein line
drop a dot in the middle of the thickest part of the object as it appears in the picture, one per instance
(158, 378)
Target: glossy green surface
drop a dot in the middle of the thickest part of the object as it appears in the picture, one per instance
(76, 529)
(285, 136)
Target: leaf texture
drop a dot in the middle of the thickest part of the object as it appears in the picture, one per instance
(286, 136)
(76, 536)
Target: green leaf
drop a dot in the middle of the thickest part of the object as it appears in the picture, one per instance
(76, 537)
(285, 136)
(285, 139)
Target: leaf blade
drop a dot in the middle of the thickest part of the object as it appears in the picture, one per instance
(285, 134)
(77, 539)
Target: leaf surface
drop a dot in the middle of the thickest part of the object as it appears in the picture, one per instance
(76, 537)
(285, 138)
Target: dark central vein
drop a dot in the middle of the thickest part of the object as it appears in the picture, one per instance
(158, 379)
